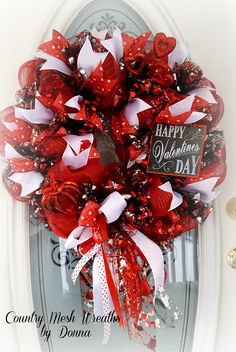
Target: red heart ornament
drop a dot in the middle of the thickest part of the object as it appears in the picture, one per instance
(135, 63)
(163, 45)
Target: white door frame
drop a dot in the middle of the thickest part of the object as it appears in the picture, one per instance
(16, 225)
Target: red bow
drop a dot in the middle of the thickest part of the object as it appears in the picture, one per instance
(91, 217)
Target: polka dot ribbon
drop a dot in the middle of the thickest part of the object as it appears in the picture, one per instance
(86, 257)
(105, 294)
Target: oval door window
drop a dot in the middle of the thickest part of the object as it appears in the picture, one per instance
(51, 265)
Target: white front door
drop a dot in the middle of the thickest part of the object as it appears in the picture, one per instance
(209, 27)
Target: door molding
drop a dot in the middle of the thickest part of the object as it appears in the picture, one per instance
(210, 264)
(16, 222)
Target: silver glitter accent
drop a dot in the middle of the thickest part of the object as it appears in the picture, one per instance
(167, 311)
(82, 71)
(71, 60)
(199, 219)
(127, 196)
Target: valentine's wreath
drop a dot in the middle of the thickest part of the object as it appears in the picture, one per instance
(113, 144)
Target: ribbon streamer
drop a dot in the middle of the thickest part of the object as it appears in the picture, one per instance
(154, 256)
(105, 293)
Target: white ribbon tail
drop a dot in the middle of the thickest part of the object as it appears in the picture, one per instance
(73, 161)
(154, 256)
(90, 254)
(185, 105)
(114, 45)
(75, 102)
(101, 293)
(179, 54)
(204, 93)
(194, 117)
(11, 153)
(75, 141)
(182, 106)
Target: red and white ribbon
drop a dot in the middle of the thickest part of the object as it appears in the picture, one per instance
(101, 290)
(53, 63)
(39, 115)
(73, 157)
(30, 181)
(86, 257)
(154, 256)
(186, 111)
(115, 45)
(88, 60)
(177, 199)
(74, 103)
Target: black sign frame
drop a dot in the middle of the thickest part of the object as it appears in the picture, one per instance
(185, 133)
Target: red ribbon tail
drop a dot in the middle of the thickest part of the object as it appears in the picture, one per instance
(113, 292)
(103, 227)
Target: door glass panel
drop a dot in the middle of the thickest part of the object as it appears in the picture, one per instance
(51, 266)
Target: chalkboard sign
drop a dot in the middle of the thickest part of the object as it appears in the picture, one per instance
(177, 150)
